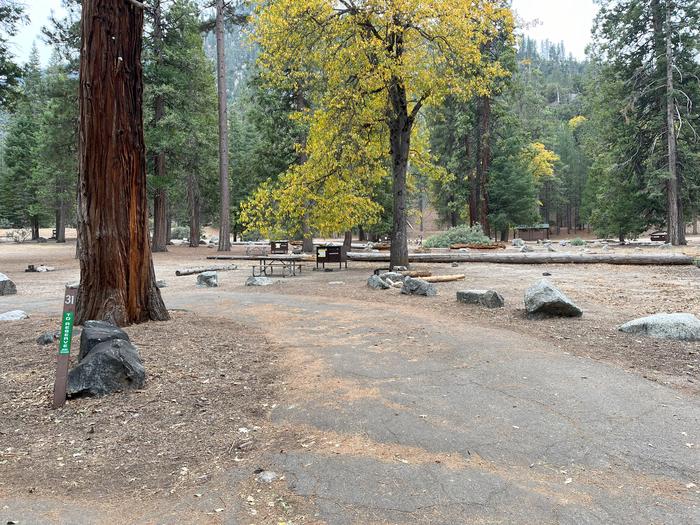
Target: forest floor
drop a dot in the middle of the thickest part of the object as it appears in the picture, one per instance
(371, 407)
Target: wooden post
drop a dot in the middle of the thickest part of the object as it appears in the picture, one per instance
(59, 388)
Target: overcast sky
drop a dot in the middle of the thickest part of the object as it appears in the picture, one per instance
(559, 20)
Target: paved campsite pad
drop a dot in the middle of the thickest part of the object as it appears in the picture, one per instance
(405, 410)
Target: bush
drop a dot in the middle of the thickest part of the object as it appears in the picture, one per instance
(19, 236)
(458, 235)
(180, 232)
(578, 241)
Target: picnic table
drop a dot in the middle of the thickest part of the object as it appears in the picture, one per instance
(287, 265)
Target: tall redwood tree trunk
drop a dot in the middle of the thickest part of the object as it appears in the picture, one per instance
(117, 277)
(674, 214)
(160, 217)
(160, 197)
(224, 207)
(194, 205)
(484, 162)
(61, 222)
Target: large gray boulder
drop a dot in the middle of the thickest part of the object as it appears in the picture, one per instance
(377, 283)
(259, 281)
(97, 332)
(14, 315)
(678, 327)
(518, 243)
(413, 286)
(7, 286)
(545, 300)
(208, 280)
(487, 298)
(110, 367)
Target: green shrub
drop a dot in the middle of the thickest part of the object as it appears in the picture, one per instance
(180, 232)
(578, 241)
(458, 235)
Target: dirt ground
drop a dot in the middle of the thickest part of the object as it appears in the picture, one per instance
(212, 383)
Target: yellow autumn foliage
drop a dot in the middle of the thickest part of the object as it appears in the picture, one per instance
(346, 56)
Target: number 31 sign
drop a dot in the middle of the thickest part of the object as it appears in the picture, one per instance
(60, 386)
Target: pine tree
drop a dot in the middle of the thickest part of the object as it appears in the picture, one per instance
(20, 182)
(57, 173)
(11, 17)
(646, 53)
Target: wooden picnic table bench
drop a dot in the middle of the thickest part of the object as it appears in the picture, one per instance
(288, 265)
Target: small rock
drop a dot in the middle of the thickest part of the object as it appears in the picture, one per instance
(413, 286)
(160, 283)
(525, 249)
(563, 243)
(550, 248)
(266, 476)
(336, 283)
(545, 300)
(208, 280)
(487, 298)
(518, 243)
(259, 281)
(375, 282)
(110, 367)
(546, 274)
(14, 315)
(47, 338)
(677, 327)
(455, 265)
(400, 269)
(7, 286)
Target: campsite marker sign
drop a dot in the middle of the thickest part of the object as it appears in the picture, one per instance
(60, 386)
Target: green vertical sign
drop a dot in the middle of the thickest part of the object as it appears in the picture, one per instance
(66, 332)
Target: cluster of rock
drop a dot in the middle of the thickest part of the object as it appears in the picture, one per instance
(107, 362)
(541, 300)
(408, 285)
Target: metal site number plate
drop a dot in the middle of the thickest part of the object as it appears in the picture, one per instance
(59, 389)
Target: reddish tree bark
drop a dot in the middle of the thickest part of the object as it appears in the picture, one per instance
(225, 202)
(160, 197)
(116, 267)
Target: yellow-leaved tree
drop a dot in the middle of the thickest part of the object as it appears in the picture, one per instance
(368, 68)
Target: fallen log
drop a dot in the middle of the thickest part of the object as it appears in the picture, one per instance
(533, 258)
(444, 278)
(477, 246)
(194, 271)
(414, 274)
